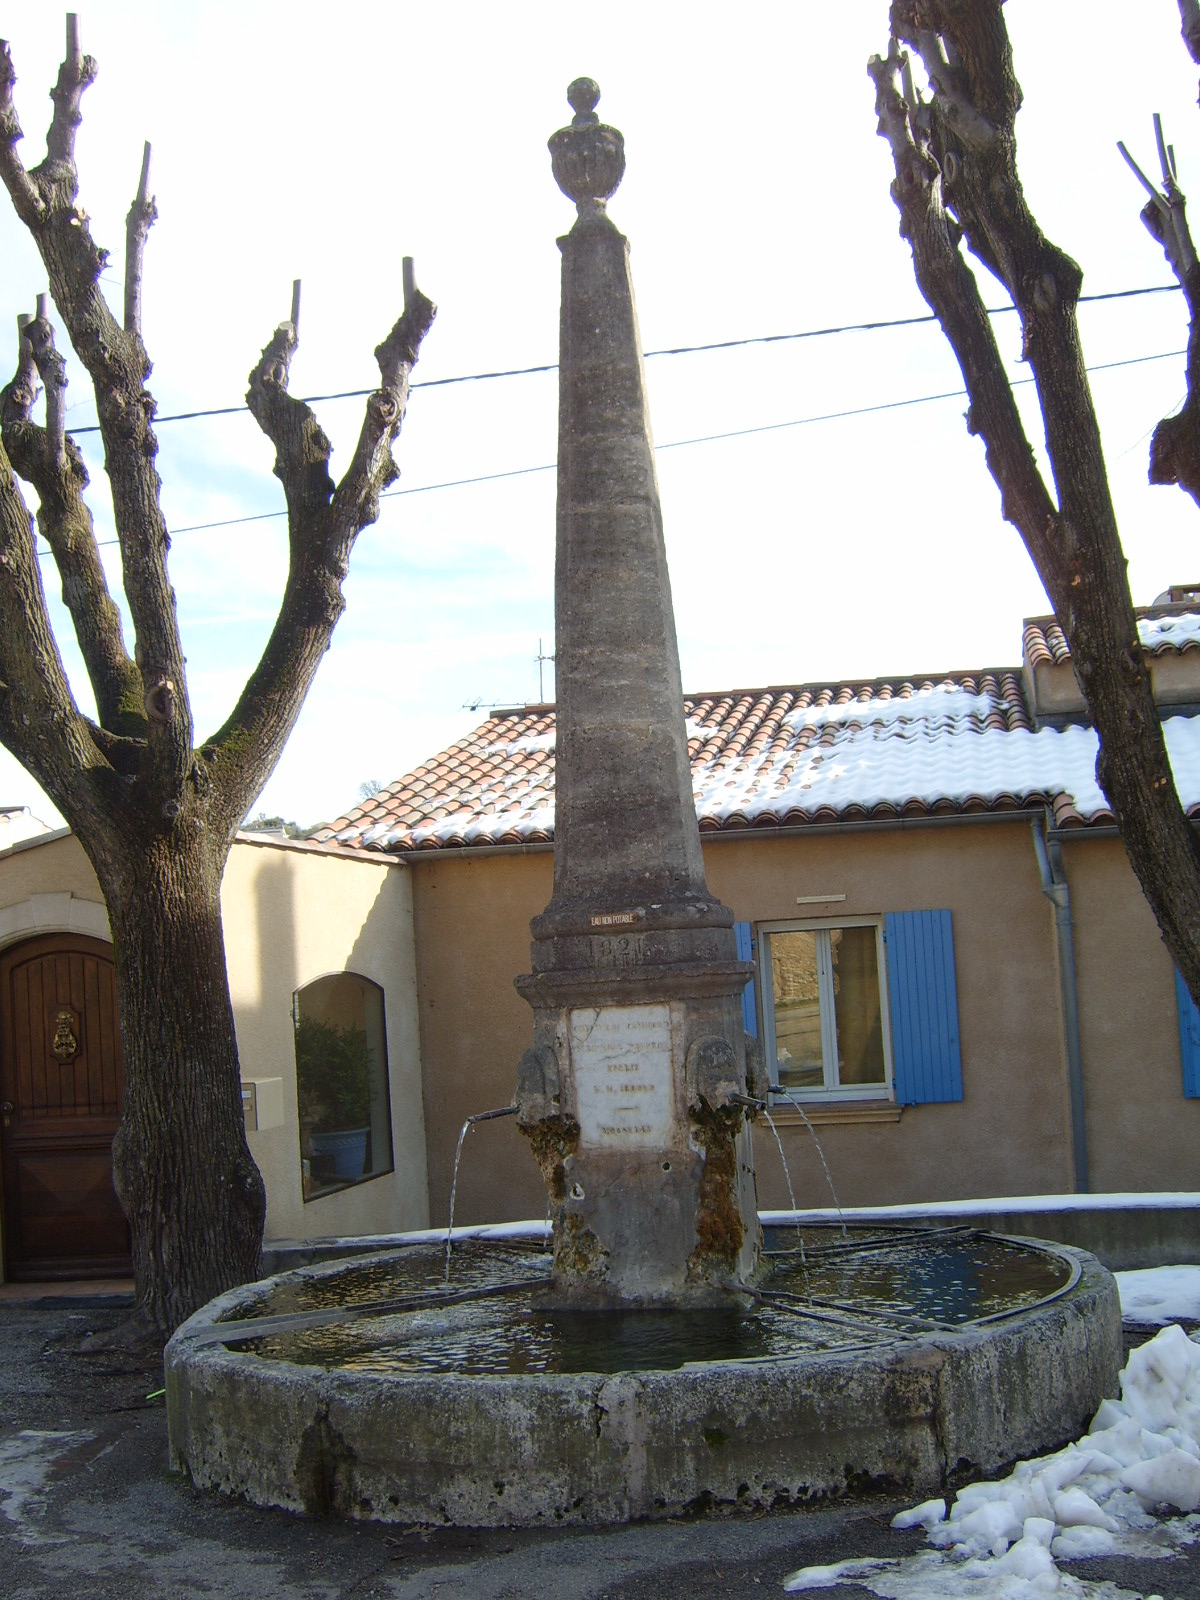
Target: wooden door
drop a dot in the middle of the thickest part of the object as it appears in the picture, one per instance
(60, 1100)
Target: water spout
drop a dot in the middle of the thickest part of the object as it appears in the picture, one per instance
(500, 1111)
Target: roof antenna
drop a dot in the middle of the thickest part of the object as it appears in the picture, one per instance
(541, 658)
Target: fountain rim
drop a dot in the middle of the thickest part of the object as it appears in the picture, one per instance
(609, 1447)
(201, 1332)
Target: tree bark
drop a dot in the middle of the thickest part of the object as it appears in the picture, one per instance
(193, 1196)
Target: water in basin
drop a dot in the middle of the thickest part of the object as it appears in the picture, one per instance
(830, 1292)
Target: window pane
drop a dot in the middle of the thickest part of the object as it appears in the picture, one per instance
(856, 1005)
(341, 1083)
(795, 990)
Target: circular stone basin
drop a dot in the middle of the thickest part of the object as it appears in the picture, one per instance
(882, 1357)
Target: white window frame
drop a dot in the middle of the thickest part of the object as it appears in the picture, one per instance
(831, 1089)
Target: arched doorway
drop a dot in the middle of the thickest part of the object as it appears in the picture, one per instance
(61, 1086)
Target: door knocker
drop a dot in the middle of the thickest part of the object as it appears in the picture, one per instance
(65, 1045)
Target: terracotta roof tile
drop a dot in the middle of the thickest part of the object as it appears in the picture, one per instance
(1162, 629)
(799, 755)
(796, 756)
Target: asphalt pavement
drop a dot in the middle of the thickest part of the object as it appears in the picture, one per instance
(89, 1511)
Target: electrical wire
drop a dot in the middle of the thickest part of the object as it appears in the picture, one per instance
(648, 355)
(674, 444)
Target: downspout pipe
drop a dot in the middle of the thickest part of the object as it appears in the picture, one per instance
(1054, 887)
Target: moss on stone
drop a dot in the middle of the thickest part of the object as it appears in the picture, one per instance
(552, 1140)
(720, 1230)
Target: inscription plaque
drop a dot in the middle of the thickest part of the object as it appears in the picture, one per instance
(621, 1057)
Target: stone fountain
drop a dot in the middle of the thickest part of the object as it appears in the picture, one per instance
(658, 1358)
(633, 1094)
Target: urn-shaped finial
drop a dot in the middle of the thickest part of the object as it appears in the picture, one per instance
(588, 157)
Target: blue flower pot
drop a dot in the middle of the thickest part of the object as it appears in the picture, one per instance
(346, 1147)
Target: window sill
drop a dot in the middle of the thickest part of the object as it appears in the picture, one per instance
(824, 1111)
(322, 1191)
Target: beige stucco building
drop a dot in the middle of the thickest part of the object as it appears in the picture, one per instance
(1010, 1134)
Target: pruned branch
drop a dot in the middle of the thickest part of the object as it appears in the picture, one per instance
(1189, 16)
(26, 199)
(124, 754)
(1175, 445)
(76, 74)
(373, 469)
(39, 721)
(18, 397)
(54, 466)
(323, 523)
(1075, 546)
(1165, 213)
(143, 214)
(952, 294)
(117, 364)
(52, 369)
(302, 449)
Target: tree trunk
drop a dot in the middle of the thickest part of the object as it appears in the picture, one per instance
(155, 814)
(183, 1171)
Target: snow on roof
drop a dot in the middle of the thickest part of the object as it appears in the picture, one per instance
(786, 757)
(1175, 632)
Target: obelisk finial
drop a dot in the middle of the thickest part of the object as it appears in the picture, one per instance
(588, 157)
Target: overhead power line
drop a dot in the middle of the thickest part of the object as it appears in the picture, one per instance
(676, 350)
(673, 444)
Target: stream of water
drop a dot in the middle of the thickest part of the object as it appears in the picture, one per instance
(787, 1176)
(837, 1205)
(466, 1128)
(479, 1116)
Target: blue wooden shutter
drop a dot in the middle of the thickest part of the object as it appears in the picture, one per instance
(922, 997)
(1189, 1038)
(744, 935)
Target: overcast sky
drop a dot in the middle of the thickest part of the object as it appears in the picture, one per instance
(326, 142)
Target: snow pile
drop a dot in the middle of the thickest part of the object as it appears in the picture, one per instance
(1117, 1491)
(1155, 1295)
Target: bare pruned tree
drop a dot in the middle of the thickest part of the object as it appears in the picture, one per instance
(1175, 444)
(155, 809)
(955, 156)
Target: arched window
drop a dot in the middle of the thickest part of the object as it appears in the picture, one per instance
(341, 1083)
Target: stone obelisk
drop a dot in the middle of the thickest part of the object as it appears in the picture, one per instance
(635, 1092)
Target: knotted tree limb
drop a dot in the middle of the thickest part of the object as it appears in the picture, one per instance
(77, 73)
(27, 201)
(372, 470)
(143, 214)
(302, 449)
(38, 716)
(1189, 17)
(52, 463)
(324, 520)
(117, 365)
(1175, 444)
(956, 178)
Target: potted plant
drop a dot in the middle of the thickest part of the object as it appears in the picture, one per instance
(333, 1087)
